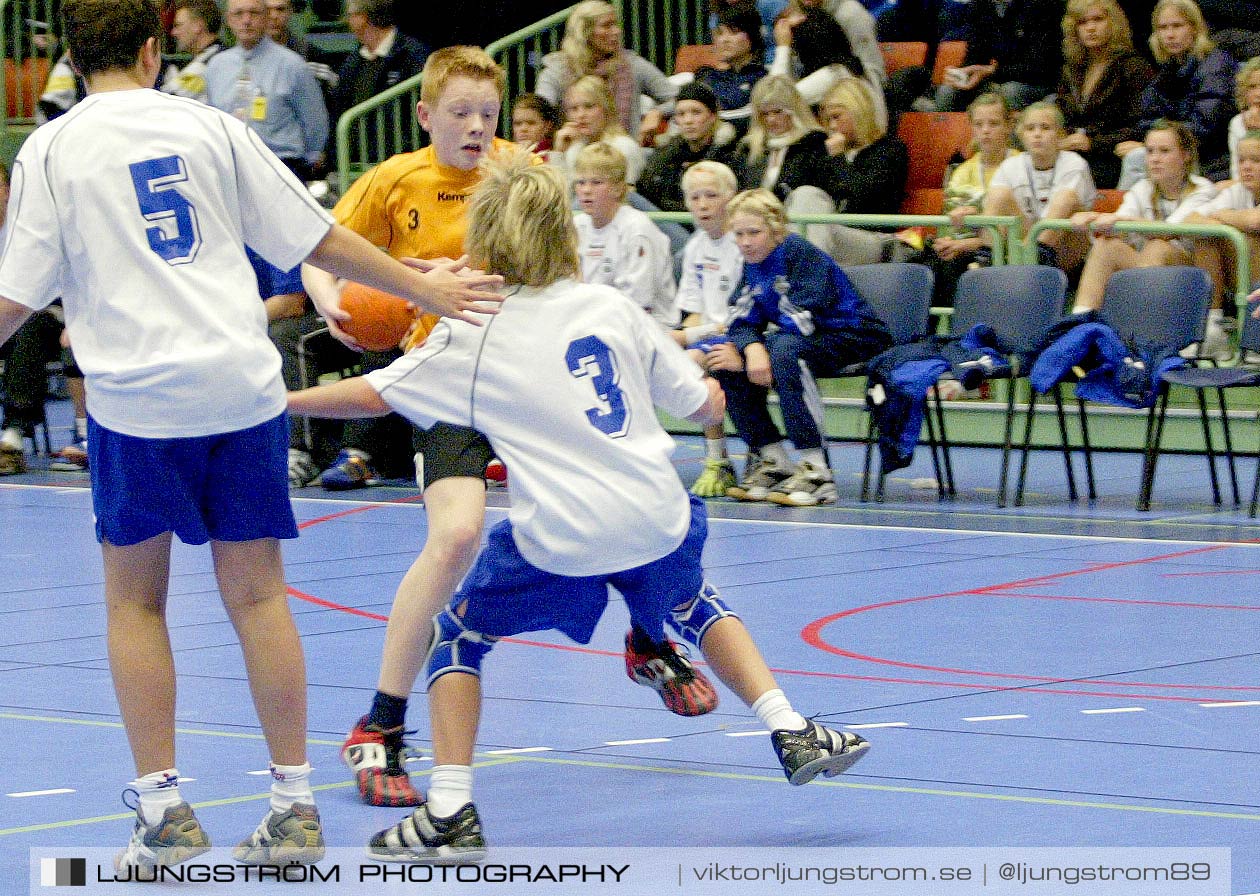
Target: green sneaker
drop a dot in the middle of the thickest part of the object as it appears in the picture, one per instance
(718, 475)
(292, 837)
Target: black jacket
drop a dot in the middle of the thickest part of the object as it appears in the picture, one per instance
(361, 79)
(661, 180)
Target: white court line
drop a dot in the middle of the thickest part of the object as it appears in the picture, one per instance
(993, 718)
(746, 733)
(26, 793)
(878, 725)
(642, 740)
(1232, 703)
(1100, 712)
(518, 750)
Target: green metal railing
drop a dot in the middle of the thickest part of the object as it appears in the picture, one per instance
(29, 53)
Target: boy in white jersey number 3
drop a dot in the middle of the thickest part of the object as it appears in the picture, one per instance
(619, 516)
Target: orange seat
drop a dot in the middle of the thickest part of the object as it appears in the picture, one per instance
(949, 54)
(932, 139)
(903, 54)
(923, 201)
(692, 56)
(23, 85)
(1108, 200)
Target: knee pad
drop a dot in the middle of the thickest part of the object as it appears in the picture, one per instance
(692, 619)
(454, 647)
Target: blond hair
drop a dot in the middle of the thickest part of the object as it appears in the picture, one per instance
(603, 160)
(761, 203)
(519, 221)
(1188, 10)
(727, 183)
(1245, 71)
(594, 89)
(1042, 106)
(852, 95)
(1119, 42)
(576, 44)
(777, 90)
(451, 62)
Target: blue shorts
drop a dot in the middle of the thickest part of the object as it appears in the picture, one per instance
(507, 595)
(233, 486)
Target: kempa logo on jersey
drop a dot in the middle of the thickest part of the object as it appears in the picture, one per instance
(444, 196)
(63, 872)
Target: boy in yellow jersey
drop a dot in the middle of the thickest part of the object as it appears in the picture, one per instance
(413, 205)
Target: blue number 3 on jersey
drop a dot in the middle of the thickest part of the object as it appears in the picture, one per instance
(590, 357)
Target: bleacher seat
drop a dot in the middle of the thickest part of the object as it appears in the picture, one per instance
(1108, 200)
(23, 85)
(950, 54)
(923, 201)
(692, 56)
(903, 54)
(932, 139)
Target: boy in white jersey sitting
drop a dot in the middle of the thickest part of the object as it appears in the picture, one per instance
(135, 207)
(595, 499)
(711, 269)
(620, 246)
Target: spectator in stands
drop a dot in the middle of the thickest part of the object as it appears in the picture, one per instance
(535, 122)
(796, 316)
(619, 245)
(859, 27)
(1011, 49)
(739, 45)
(279, 27)
(1171, 192)
(592, 46)
(1237, 205)
(196, 32)
(1247, 96)
(701, 135)
(784, 148)
(270, 88)
(590, 115)
(1044, 182)
(63, 89)
(1101, 89)
(385, 57)
(1194, 83)
(815, 41)
(768, 12)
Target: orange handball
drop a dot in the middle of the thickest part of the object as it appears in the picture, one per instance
(378, 321)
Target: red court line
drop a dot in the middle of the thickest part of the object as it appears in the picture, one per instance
(1121, 600)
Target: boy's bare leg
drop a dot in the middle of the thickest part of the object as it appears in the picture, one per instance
(1105, 258)
(729, 650)
(454, 714)
(456, 509)
(140, 658)
(251, 580)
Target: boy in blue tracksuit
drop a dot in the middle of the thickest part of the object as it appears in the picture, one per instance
(795, 316)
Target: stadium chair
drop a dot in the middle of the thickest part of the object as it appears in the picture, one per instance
(932, 140)
(692, 56)
(949, 54)
(900, 294)
(923, 201)
(1108, 200)
(903, 54)
(1020, 303)
(1188, 291)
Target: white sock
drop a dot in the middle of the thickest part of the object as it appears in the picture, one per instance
(1081, 309)
(715, 449)
(450, 787)
(158, 792)
(290, 784)
(80, 429)
(11, 439)
(815, 456)
(776, 713)
(776, 453)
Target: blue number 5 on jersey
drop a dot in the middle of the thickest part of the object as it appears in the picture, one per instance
(590, 357)
(175, 234)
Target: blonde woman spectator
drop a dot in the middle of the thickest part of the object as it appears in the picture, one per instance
(1247, 96)
(784, 148)
(1100, 91)
(590, 116)
(1171, 192)
(592, 45)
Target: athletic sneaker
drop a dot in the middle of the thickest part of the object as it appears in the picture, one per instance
(685, 690)
(423, 837)
(763, 474)
(177, 838)
(715, 480)
(350, 470)
(808, 486)
(11, 462)
(71, 459)
(291, 837)
(816, 750)
(375, 755)
(302, 469)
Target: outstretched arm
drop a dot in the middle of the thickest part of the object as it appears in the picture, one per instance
(345, 399)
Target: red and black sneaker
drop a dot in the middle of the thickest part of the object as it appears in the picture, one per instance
(375, 756)
(685, 690)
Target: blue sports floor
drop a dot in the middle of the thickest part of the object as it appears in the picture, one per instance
(1055, 675)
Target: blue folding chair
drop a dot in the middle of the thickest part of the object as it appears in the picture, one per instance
(1021, 303)
(1201, 379)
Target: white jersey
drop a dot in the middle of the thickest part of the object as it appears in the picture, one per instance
(563, 382)
(1141, 203)
(1033, 188)
(710, 272)
(1235, 197)
(632, 254)
(135, 208)
(1237, 130)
